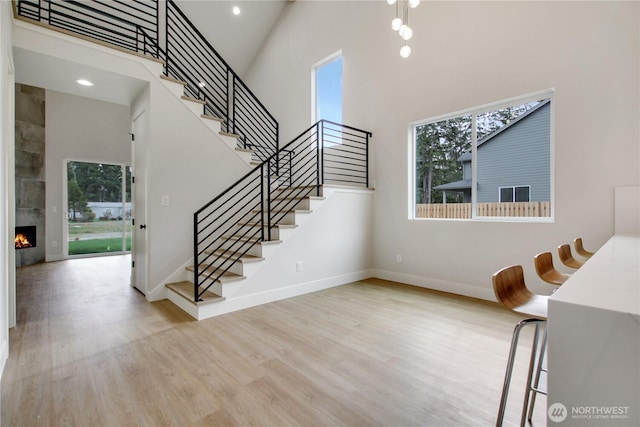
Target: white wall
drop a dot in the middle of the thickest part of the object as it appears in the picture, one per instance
(80, 129)
(467, 54)
(7, 267)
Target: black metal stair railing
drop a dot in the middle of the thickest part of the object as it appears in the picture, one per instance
(231, 225)
(131, 24)
(191, 58)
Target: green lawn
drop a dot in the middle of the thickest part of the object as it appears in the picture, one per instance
(80, 228)
(93, 246)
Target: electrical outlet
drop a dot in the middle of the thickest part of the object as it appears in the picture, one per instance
(165, 200)
(299, 266)
(398, 258)
(54, 244)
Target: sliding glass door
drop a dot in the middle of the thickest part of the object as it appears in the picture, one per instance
(99, 208)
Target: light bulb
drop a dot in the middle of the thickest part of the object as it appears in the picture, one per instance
(414, 3)
(406, 32)
(405, 51)
(396, 23)
(391, 1)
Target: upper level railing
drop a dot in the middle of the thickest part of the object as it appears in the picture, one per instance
(188, 56)
(131, 24)
(231, 225)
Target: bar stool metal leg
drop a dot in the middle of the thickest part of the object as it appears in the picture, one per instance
(510, 363)
(539, 369)
(535, 362)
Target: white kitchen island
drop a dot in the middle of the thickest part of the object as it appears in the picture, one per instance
(594, 340)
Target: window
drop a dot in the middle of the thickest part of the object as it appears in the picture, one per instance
(486, 162)
(327, 89)
(514, 194)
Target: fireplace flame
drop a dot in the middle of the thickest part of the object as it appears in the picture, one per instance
(22, 241)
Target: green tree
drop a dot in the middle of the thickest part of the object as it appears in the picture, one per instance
(77, 200)
(439, 145)
(99, 182)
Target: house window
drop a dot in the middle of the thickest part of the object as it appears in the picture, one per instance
(465, 163)
(327, 89)
(514, 194)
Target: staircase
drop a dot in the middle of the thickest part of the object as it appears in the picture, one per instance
(237, 232)
(242, 227)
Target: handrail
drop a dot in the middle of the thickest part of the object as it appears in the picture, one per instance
(232, 224)
(191, 58)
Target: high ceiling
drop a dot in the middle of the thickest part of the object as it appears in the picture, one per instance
(237, 38)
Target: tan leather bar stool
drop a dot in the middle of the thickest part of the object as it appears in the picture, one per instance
(546, 271)
(564, 251)
(511, 291)
(580, 250)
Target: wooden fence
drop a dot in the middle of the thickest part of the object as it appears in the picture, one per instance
(463, 210)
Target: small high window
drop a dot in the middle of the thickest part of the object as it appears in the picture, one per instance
(327, 89)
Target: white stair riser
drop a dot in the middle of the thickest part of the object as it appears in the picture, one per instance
(230, 141)
(224, 263)
(251, 229)
(216, 288)
(196, 107)
(245, 155)
(256, 250)
(214, 125)
(176, 88)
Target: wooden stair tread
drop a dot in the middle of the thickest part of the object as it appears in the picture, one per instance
(226, 277)
(209, 117)
(232, 135)
(251, 239)
(185, 290)
(188, 98)
(244, 150)
(303, 211)
(257, 224)
(246, 258)
(173, 80)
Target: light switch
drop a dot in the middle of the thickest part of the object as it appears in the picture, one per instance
(165, 200)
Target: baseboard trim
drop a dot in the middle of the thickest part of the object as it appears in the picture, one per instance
(436, 284)
(240, 303)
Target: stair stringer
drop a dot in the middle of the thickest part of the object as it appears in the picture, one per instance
(176, 87)
(333, 243)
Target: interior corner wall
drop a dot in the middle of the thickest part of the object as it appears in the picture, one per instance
(81, 129)
(7, 266)
(468, 54)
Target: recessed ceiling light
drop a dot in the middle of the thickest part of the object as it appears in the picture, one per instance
(236, 10)
(84, 82)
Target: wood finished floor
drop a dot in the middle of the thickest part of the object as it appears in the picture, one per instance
(88, 350)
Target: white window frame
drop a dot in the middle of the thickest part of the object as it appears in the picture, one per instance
(474, 111)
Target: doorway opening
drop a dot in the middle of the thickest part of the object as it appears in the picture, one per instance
(99, 209)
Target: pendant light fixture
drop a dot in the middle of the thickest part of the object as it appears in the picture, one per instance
(401, 22)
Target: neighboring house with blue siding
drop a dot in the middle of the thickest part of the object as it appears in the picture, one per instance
(513, 162)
